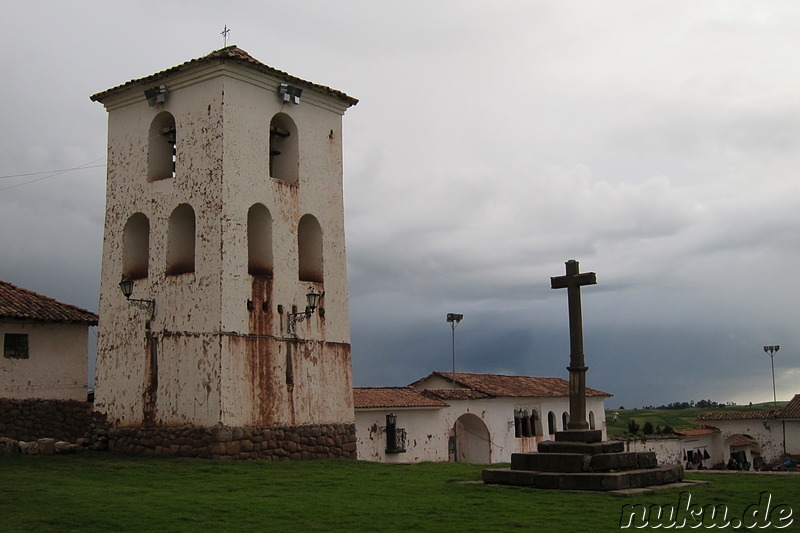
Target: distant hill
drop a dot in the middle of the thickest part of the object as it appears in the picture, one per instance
(675, 418)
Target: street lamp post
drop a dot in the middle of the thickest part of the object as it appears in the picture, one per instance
(771, 351)
(454, 319)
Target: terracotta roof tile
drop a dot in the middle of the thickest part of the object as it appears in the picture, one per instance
(696, 432)
(498, 385)
(792, 409)
(365, 397)
(20, 304)
(229, 53)
(739, 415)
(741, 440)
(455, 394)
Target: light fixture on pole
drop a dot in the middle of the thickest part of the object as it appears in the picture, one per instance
(454, 319)
(771, 351)
(312, 301)
(126, 286)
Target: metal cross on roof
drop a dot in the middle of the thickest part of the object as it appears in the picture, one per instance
(225, 31)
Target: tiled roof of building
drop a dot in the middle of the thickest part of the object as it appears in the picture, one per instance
(792, 409)
(741, 440)
(455, 394)
(17, 303)
(365, 397)
(739, 415)
(696, 432)
(229, 53)
(498, 385)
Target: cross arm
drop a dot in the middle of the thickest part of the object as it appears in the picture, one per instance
(573, 280)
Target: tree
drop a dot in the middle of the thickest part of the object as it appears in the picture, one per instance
(648, 428)
(633, 427)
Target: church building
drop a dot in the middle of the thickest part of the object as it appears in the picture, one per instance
(223, 298)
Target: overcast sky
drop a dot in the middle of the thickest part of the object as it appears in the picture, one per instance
(658, 143)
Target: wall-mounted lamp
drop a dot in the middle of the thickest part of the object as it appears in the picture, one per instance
(290, 93)
(126, 286)
(312, 301)
(156, 95)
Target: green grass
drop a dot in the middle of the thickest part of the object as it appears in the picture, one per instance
(676, 418)
(109, 492)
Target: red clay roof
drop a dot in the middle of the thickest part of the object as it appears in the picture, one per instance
(392, 397)
(455, 394)
(739, 415)
(20, 304)
(741, 440)
(229, 53)
(696, 432)
(792, 409)
(502, 386)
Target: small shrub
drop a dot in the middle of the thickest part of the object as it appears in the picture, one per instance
(633, 427)
(648, 428)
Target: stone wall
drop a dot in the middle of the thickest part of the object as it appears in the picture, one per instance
(64, 420)
(286, 443)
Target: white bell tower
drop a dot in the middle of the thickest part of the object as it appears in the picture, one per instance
(224, 214)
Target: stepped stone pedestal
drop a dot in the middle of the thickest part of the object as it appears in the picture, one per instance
(581, 460)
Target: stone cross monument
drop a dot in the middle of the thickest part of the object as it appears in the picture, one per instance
(573, 281)
(578, 458)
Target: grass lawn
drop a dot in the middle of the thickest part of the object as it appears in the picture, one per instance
(108, 492)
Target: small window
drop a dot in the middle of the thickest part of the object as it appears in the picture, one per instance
(536, 423)
(15, 345)
(526, 424)
(395, 437)
(551, 423)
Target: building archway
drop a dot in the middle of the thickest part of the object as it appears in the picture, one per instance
(473, 444)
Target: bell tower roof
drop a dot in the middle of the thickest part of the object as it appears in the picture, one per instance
(230, 53)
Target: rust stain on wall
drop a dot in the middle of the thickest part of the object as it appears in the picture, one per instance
(261, 296)
(150, 392)
(260, 353)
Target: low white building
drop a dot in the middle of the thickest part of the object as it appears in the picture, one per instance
(757, 436)
(479, 418)
(45, 346)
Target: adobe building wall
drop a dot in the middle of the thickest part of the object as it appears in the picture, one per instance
(56, 366)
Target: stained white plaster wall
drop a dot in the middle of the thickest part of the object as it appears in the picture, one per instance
(770, 440)
(214, 357)
(672, 449)
(427, 435)
(429, 430)
(792, 429)
(56, 367)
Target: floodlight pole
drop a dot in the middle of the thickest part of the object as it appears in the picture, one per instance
(454, 319)
(771, 351)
